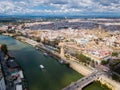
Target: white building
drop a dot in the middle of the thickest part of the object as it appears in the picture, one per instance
(97, 56)
(82, 40)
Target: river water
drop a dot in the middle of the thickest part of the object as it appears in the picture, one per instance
(55, 76)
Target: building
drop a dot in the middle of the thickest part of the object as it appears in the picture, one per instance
(97, 56)
(2, 81)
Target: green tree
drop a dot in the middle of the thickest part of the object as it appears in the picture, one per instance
(4, 49)
(114, 54)
(83, 58)
(104, 62)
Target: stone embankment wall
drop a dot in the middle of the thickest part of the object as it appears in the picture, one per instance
(113, 85)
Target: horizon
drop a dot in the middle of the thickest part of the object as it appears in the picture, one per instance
(60, 16)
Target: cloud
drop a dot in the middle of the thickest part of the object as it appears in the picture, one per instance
(58, 6)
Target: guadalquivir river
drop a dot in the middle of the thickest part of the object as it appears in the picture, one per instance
(54, 77)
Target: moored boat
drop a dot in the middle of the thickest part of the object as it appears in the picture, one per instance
(45, 54)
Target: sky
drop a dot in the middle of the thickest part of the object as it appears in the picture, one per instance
(59, 7)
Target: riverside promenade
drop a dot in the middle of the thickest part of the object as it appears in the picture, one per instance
(27, 40)
(109, 82)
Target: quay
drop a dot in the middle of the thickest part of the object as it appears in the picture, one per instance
(27, 40)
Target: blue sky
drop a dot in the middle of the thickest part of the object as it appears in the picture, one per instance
(59, 7)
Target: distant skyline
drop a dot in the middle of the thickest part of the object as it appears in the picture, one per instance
(59, 7)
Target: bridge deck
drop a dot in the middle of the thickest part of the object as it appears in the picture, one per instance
(81, 83)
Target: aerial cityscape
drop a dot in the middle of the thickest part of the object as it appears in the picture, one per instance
(59, 45)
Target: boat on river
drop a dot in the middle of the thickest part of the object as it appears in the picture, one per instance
(37, 48)
(41, 66)
(61, 61)
(45, 54)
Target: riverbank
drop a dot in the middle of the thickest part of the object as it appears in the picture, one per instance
(109, 82)
(96, 84)
(13, 73)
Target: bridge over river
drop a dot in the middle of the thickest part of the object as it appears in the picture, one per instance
(81, 83)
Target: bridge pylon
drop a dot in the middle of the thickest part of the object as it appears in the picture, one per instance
(62, 52)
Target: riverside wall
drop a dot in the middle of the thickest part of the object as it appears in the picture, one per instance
(112, 84)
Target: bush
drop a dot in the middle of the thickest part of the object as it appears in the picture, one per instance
(83, 58)
(114, 54)
(104, 62)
